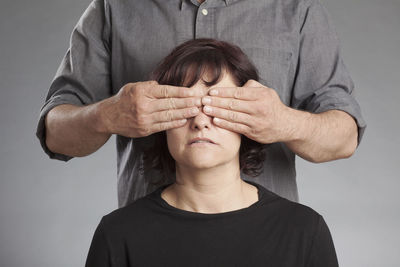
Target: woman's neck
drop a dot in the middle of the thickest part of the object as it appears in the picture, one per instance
(213, 190)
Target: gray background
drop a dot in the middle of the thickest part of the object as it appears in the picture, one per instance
(49, 209)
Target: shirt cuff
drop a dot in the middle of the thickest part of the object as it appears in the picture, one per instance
(41, 127)
(346, 103)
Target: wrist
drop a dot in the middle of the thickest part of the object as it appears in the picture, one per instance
(298, 125)
(97, 118)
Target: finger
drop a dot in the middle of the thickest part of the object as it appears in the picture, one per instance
(245, 106)
(174, 114)
(162, 126)
(229, 115)
(253, 83)
(165, 91)
(174, 103)
(244, 93)
(234, 127)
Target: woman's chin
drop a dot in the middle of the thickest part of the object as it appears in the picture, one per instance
(205, 163)
(205, 160)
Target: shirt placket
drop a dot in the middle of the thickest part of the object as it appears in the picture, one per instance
(204, 25)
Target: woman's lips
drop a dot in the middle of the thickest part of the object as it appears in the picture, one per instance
(201, 140)
(201, 144)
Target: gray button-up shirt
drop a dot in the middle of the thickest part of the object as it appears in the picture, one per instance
(292, 43)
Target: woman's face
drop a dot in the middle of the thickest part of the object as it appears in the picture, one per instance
(199, 155)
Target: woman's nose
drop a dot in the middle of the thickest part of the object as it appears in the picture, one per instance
(201, 120)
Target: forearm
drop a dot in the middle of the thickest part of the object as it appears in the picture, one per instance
(74, 131)
(321, 137)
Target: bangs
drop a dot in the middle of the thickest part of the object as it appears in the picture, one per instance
(207, 65)
(198, 59)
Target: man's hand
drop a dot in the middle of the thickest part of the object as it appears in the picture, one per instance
(257, 112)
(143, 108)
(253, 110)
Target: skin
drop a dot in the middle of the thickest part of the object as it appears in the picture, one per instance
(207, 175)
(254, 110)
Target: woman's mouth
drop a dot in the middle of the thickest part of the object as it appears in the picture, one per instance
(201, 140)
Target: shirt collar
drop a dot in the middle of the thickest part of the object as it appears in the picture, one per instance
(184, 3)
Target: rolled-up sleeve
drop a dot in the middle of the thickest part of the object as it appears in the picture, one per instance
(323, 82)
(83, 76)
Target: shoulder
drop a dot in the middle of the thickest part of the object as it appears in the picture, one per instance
(128, 216)
(294, 214)
(303, 212)
(299, 216)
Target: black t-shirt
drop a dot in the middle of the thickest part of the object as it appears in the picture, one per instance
(271, 232)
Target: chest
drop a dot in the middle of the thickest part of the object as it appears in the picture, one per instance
(260, 243)
(267, 32)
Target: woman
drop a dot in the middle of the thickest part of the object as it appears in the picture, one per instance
(207, 215)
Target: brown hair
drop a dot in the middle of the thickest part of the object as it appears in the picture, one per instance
(185, 66)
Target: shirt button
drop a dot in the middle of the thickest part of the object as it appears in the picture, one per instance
(204, 11)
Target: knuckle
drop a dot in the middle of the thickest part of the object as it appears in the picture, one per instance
(141, 121)
(253, 132)
(127, 89)
(141, 108)
(135, 92)
(147, 131)
(144, 131)
(161, 127)
(164, 91)
(232, 116)
(239, 128)
(171, 103)
(232, 104)
(234, 127)
(168, 115)
(136, 87)
(149, 87)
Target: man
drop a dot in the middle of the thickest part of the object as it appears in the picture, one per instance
(302, 105)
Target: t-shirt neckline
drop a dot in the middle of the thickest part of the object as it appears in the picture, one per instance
(261, 198)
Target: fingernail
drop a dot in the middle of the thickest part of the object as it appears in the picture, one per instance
(207, 109)
(194, 110)
(206, 100)
(214, 92)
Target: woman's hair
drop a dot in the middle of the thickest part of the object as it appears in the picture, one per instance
(185, 66)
